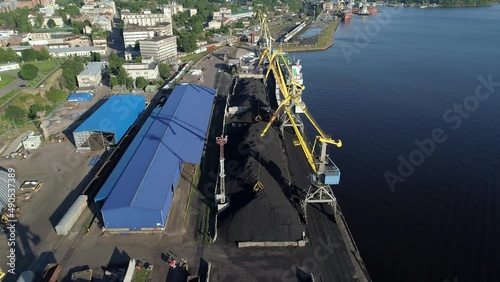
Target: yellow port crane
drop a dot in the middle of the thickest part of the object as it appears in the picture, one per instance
(326, 173)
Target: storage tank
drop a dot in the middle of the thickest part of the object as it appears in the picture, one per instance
(71, 216)
(26, 276)
(4, 188)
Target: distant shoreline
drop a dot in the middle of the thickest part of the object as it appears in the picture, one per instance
(314, 48)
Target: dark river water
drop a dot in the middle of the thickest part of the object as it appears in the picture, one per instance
(414, 94)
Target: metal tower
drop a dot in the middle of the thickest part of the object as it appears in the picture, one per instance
(221, 197)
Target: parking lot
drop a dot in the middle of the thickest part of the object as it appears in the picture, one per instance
(63, 174)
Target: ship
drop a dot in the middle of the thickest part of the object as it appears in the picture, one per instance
(372, 8)
(364, 11)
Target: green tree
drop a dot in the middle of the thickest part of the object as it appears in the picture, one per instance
(56, 95)
(43, 54)
(129, 82)
(95, 57)
(38, 21)
(8, 55)
(34, 109)
(15, 113)
(115, 63)
(137, 59)
(164, 70)
(187, 42)
(122, 76)
(28, 72)
(141, 82)
(113, 81)
(239, 24)
(28, 55)
(51, 23)
(137, 46)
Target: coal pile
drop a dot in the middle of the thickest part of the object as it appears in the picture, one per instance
(266, 215)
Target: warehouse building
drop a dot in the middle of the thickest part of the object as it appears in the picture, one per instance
(138, 193)
(106, 126)
(92, 74)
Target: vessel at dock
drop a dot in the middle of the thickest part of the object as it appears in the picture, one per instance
(372, 8)
(364, 11)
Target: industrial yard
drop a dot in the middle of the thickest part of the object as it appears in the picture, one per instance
(149, 181)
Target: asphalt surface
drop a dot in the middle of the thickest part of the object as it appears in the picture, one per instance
(256, 216)
(15, 84)
(321, 226)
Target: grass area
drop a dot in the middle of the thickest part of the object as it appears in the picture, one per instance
(44, 68)
(141, 275)
(6, 79)
(195, 57)
(8, 96)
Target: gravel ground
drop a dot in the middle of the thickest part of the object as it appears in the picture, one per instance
(257, 216)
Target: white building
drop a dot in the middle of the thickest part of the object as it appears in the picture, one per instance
(214, 24)
(57, 20)
(49, 10)
(9, 66)
(145, 19)
(103, 22)
(192, 12)
(148, 71)
(32, 142)
(241, 15)
(134, 33)
(92, 74)
(161, 48)
(75, 51)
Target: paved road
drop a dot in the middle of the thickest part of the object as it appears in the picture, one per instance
(13, 85)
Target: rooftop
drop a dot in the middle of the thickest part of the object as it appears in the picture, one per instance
(93, 68)
(74, 49)
(145, 66)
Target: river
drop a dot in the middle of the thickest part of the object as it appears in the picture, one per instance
(428, 212)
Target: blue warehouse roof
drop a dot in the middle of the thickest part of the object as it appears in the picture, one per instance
(139, 190)
(116, 115)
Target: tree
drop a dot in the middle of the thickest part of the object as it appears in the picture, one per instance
(129, 82)
(187, 42)
(28, 72)
(164, 70)
(15, 114)
(43, 54)
(38, 21)
(51, 23)
(8, 55)
(141, 82)
(122, 76)
(34, 109)
(137, 59)
(137, 46)
(113, 81)
(56, 95)
(95, 57)
(28, 55)
(239, 24)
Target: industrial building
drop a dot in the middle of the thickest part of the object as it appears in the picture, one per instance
(92, 74)
(134, 33)
(160, 48)
(139, 191)
(147, 70)
(32, 142)
(9, 66)
(146, 18)
(107, 125)
(75, 51)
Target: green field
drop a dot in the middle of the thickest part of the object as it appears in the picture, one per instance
(6, 79)
(44, 68)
